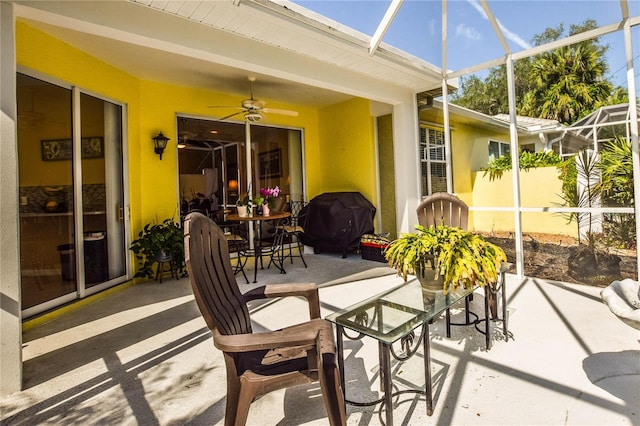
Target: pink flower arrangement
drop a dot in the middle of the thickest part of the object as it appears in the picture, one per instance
(269, 194)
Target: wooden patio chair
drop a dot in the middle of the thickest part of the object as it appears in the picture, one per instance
(442, 208)
(258, 363)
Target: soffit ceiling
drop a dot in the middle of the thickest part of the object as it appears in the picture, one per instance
(216, 45)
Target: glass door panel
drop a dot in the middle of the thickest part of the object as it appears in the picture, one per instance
(102, 191)
(47, 252)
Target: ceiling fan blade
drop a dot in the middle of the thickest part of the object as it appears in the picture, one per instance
(224, 106)
(280, 111)
(231, 115)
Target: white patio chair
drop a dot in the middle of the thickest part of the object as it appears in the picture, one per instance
(623, 300)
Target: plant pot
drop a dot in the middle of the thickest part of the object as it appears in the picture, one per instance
(242, 211)
(265, 210)
(163, 256)
(429, 281)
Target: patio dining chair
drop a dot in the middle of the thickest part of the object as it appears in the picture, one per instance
(237, 243)
(258, 363)
(293, 228)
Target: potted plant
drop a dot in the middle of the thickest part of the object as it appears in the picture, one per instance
(456, 257)
(243, 205)
(159, 242)
(268, 195)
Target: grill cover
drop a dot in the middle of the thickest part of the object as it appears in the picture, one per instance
(335, 221)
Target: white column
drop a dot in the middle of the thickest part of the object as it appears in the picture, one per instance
(447, 136)
(633, 119)
(296, 160)
(515, 166)
(407, 162)
(10, 297)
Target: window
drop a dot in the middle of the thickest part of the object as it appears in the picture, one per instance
(433, 161)
(498, 149)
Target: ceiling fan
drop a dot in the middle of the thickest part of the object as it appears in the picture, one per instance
(253, 108)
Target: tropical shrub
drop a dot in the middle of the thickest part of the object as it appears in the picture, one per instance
(527, 160)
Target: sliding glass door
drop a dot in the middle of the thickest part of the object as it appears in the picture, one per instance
(72, 194)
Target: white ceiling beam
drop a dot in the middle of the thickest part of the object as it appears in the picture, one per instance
(479, 67)
(625, 9)
(495, 25)
(576, 38)
(384, 25)
(444, 37)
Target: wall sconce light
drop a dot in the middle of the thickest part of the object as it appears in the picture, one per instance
(160, 143)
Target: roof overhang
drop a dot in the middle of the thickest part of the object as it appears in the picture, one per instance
(210, 43)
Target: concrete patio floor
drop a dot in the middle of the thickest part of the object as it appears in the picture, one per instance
(143, 356)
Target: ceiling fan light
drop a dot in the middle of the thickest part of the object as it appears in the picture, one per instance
(252, 116)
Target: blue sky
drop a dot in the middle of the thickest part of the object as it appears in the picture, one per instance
(418, 26)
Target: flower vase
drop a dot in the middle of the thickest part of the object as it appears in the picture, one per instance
(242, 211)
(259, 210)
(265, 210)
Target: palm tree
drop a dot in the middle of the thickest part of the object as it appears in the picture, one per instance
(570, 82)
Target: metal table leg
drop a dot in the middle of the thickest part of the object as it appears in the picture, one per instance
(505, 328)
(340, 355)
(487, 320)
(427, 368)
(385, 377)
(448, 323)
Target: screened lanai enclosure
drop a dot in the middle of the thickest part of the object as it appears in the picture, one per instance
(567, 218)
(577, 215)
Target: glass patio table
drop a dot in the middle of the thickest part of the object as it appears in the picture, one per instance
(392, 316)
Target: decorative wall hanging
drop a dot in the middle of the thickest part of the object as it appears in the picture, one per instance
(62, 149)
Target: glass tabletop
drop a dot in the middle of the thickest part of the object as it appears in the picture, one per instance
(391, 315)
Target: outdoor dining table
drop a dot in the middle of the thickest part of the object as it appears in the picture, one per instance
(393, 316)
(255, 246)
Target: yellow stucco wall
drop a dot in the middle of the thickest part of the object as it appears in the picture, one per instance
(160, 103)
(346, 150)
(152, 107)
(45, 54)
(539, 188)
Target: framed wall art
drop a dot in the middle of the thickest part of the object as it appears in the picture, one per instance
(62, 149)
(270, 163)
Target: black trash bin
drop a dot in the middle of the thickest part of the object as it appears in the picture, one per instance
(95, 257)
(67, 261)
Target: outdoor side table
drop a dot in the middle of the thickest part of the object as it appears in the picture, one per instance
(490, 307)
(392, 316)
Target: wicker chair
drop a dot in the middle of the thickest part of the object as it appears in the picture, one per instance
(258, 363)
